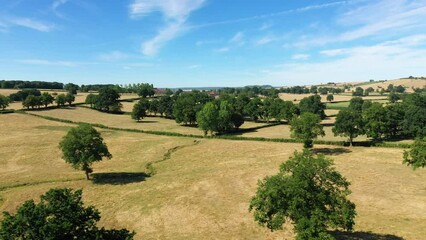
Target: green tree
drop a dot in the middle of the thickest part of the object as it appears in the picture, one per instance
(330, 97)
(165, 106)
(59, 214)
(208, 118)
(69, 98)
(307, 192)
(416, 156)
(306, 127)
(4, 102)
(145, 89)
(71, 88)
(154, 106)
(393, 97)
(139, 109)
(91, 99)
(376, 125)
(32, 101)
(356, 104)
(46, 99)
(414, 123)
(359, 91)
(253, 108)
(107, 100)
(60, 100)
(82, 146)
(312, 104)
(349, 123)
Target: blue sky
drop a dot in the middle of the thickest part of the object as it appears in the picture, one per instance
(182, 43)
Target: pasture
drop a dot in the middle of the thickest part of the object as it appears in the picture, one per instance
(202, 186)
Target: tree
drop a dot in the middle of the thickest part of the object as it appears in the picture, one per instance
(349, 124)
(107, 100)
(416, 156)
(69, 98)
(71, 88)
(253, 109)
(368, 91)
(59, 214)
(46, 99)
(139, 109)
(312, 104)
(165, 106)
(356, 104)
(208, 118)
(359, 91)
(414, 123)
(61, 99)
(306, 127)
(374, 117)
(145, 89)
(82, 146)
(307, 192)
(187, 105)
(393, 97)
(31, 101)
(91, 99)
(330, 97)
(154, 106)
(4, 102)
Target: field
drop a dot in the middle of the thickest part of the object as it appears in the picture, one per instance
(408, 83)
(202, 187)
(125, 121)
(337, 97)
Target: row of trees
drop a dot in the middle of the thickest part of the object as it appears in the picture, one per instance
(32, 101)
(4, 102)
(30, 84)
(378, 121)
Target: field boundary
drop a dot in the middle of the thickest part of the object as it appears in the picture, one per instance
(226, 137)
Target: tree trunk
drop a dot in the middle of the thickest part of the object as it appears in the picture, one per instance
(87, 175)
(350, 142)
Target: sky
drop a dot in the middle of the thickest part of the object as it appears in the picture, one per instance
(212, 43)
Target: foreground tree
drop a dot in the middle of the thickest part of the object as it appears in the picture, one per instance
(306, 127)
(82, 146)
(60, 214)
(4, 102)
(307, 192)
(416, 156)
(349, 124)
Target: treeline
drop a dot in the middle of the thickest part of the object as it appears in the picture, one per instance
(226, 113)
(19, 84)
(406, 119)
(312, 89)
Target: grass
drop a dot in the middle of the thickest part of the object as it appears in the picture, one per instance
(200, 190)
(125, 121)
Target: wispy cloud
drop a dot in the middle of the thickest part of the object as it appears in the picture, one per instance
(28, 23)
(300, 56)
(55, 6)
(276, 14)
(175, 12)
(49, 62)
(237, 38)
(113, 56)
(265, 40)
(221, 50)
(392, 59)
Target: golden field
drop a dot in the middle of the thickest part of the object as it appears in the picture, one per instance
(203, 189)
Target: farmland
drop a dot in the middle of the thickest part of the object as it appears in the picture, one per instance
(202, 190)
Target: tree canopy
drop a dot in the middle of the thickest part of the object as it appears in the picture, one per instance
(349, 123)
(416, 156)
(140, 109)
(59, 214)
(4, 102)
(307, 192)
(312, 104)
(82, 146)
(306, 127)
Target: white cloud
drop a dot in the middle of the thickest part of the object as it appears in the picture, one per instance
(222, 50)
(48, 62)
(175, 12)
(265, 40)
(386, 60)
(300, 56)
(237, 38)
(30, 23)
(194, 66)
(266, 26)
(57, 3)
(113, 56)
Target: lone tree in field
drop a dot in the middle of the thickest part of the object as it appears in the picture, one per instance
(83, 146)
(139, 109)
(60, 214)
(306, 127)
(416, 156)
(307, 192)
(330, 97)
(349, 124)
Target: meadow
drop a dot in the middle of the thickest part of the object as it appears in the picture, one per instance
(202, 186)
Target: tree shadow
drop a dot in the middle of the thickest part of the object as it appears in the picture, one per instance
(118, 178)
(146, 121)
(363, 236)
(330, 151)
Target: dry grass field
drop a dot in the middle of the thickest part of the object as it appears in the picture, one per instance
(337, 97)
(202, 191)
(125, 121)
(408, 83)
